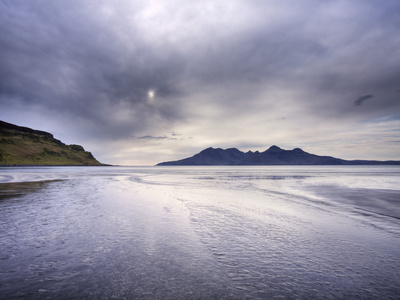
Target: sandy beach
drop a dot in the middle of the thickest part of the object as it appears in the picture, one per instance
(199, 233)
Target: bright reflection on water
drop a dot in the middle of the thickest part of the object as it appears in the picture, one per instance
(200, 233)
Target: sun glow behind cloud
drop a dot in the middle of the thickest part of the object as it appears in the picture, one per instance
(150, 95)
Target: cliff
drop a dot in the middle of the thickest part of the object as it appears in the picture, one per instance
(26, 146)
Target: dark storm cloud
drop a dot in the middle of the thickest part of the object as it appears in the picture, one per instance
(92, 63)
(68, 54)
(361, 100)
(61, 56)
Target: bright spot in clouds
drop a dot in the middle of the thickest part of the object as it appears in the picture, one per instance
(151, 94)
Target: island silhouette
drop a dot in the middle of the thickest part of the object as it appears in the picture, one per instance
(272, 156)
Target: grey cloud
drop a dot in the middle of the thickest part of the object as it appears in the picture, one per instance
(150, 137)
(95, 57)
(361, 99)
(173, 136)
(92, 63)
(69, 60)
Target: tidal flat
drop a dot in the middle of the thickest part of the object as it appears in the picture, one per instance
(287, 232)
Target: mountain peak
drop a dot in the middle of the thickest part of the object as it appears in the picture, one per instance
(274, 148)
(209, 149)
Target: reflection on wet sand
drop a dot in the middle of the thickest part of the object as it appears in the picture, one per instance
(200, 233)
(16, 189)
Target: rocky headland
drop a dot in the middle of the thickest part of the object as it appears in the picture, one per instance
(25, 146)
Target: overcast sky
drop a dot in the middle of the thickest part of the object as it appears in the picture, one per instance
(140, 82)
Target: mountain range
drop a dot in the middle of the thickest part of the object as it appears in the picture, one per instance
(26, 146)
(272, 156)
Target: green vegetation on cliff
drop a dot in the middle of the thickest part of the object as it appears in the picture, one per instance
(25, 146)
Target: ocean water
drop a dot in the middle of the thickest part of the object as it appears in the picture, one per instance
(303, 232)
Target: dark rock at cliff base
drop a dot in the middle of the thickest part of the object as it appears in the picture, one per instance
(272, 156)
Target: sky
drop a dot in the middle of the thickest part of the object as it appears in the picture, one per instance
(142, 82)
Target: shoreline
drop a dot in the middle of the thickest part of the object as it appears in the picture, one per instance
(44, 165)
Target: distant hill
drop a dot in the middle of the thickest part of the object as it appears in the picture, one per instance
(26, 146)
(273, 156)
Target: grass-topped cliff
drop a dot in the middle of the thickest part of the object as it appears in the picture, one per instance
(26, 146)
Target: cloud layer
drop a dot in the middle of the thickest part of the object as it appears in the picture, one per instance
(124, 78)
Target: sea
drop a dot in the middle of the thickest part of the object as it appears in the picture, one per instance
(185, 232)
